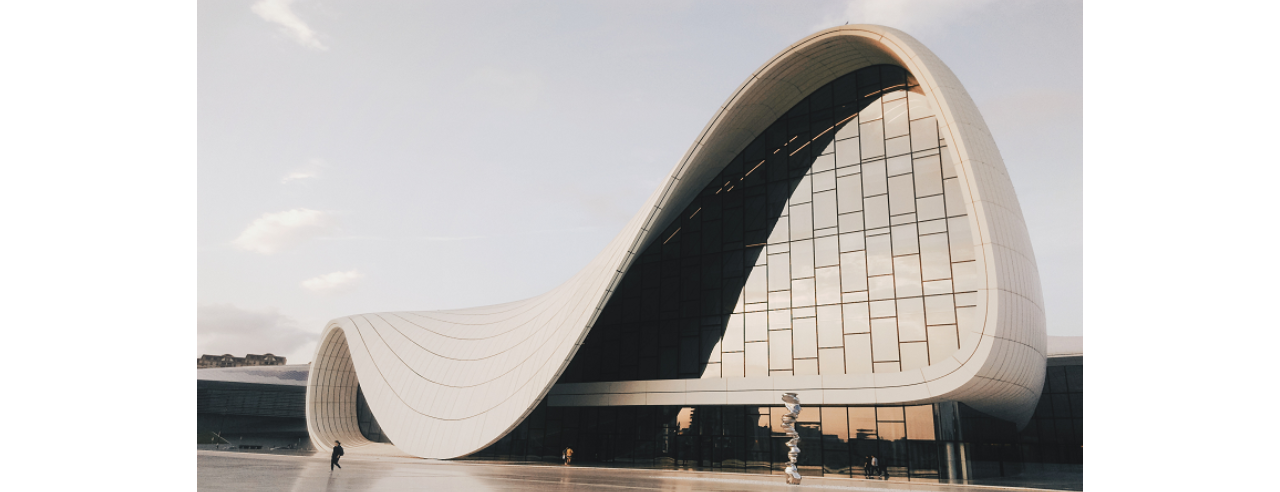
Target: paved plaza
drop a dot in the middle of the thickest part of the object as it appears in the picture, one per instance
(245, 472)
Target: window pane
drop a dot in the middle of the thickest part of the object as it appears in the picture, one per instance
(824, 209)
(928, 173)
(940, 310)
(943, 341)
(911, 320)
(779, 272)
(857, 318)
(757, 288)
(872, 140)
(874, 181)
(930, 208)
(902, 197)
(897, 165)
(804, 333)
(877, 212)
(802, 259)
(935, 257)
(954, 198)
(733, 333)
(919, 422)
(780, 349)
(802, 221)
(879, 255)
(828, 285)
(757, 326)
(853, 271)
(884, 339)
(914, 355)
(905, 241)
(897, 146)
(895, 118)
(757, 359)
(802, 292)
(830, 328)
(826, 251)
(924, 134)
(848, 152)
(961, 241)
(857, 355)
(906, 276)
(890, 414)
(880, 287)
(849, 193)
(918, 105)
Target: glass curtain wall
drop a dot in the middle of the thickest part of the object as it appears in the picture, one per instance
(836, 242)
(835, 440)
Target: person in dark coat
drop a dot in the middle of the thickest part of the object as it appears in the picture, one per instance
(337, 453)
(866, 467)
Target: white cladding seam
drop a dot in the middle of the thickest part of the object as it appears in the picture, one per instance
(446, 384)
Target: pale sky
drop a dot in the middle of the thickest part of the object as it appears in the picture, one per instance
(372, 156)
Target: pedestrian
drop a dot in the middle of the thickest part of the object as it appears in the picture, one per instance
(875, 465)
(337, 453)
(866, 467)
(567, 455)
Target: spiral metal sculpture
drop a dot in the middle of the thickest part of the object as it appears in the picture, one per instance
(789, 425)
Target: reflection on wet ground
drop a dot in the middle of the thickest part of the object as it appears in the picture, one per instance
(241, 471)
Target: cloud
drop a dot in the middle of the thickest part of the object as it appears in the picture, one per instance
(278, 12)
(908, 16)
(227, 329)
(332, 282)
(310, 170)
(282, 230)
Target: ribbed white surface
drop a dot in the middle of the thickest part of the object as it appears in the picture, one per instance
(445, 384)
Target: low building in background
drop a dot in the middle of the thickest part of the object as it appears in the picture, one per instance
(261, 407)
(228, 360)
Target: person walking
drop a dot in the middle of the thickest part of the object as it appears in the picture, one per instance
(567, 455)
(875, 465)
(866, 467)
(337, 453)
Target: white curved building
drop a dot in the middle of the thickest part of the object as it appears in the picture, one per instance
(844, 228)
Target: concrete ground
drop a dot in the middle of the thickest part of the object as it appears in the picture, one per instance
(391, 471)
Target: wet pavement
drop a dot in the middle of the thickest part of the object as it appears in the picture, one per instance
(389, 470)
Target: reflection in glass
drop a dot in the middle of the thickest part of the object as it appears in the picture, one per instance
(902, 198)
(884, 339)
(914, 355)
(849, 193)
(879, 255)
(824, 209)
(828, 285)
(910, 313)
(924, 134)
(876, 212)
(906, 276)
(874, 179)
(857, 353)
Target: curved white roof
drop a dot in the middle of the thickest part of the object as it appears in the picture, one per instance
(445, 384)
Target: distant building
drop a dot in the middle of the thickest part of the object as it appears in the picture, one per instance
(228, 360)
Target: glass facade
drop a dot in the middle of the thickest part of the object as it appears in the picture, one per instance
(939, 442)
(230, 412)
(748, 439)
(836, 242)
(1055, 434)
